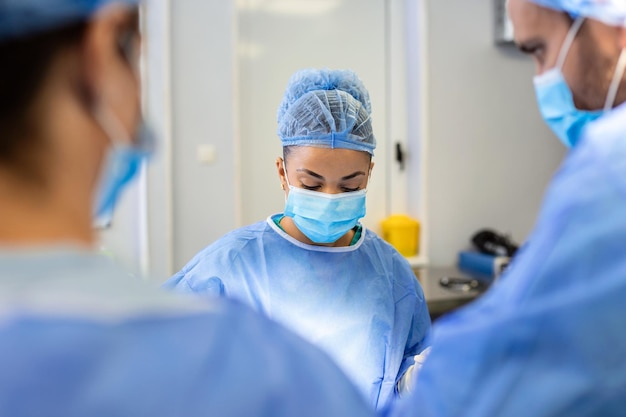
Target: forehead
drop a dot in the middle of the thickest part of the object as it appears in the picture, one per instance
(533, 21)
(313, 156)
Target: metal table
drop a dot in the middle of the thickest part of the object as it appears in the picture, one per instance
(442, 299)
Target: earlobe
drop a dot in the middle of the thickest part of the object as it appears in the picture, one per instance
(280, 167)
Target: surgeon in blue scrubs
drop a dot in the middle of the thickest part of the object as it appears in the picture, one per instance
(549, 338)
(314, 267)
(78, 336)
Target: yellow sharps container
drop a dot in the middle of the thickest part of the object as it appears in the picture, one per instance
(402, 232)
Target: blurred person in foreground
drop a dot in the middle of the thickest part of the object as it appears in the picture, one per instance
(79, 336)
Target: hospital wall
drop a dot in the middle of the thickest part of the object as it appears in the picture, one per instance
(489, 155)
(205, 204)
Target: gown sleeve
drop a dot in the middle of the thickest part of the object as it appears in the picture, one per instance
(411, 306)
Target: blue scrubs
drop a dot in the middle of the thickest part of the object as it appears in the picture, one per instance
(79, 337)
(550, 338)
(362, 304)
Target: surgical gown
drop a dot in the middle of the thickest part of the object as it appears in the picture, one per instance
(362, 304)
(79, 337)
(550, 338)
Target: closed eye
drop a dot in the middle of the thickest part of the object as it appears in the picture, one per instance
(310, 187)
(536, 48)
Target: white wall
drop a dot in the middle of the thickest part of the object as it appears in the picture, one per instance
(158, 262)
(489, 155)
(203, 71)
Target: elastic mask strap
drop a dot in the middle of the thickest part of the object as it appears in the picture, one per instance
(111, 126)
(369, 179)
(569, 39)
(286, 176)
(617, 81)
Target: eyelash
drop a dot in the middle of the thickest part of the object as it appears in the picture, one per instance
(317, 187)
(538, 53)
(314, 188)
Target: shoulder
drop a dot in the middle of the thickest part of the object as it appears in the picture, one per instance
(399, 270)
(230, 245)
(209, 270)
(239, 237)
(581, 226)
(593, 174)
(372, 239)
(384, 250)
(219, 349)
(603, 148)
(611, 127)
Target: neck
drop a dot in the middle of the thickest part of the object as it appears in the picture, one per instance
(292, 230)
(28, 218)
(57, 210)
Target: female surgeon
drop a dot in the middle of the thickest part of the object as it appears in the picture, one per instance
(314, 267)
(78, 336)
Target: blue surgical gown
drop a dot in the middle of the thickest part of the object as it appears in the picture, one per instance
(549, 339)
(362, 304)
(79, 337)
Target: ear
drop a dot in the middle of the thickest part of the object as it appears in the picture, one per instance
(280, 168)
(100, 46)
(108, 78)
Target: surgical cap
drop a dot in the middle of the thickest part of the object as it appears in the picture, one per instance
(326, 109)
(611, 12)
(28, 17)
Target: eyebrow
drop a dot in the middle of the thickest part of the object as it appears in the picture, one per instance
(318, 176)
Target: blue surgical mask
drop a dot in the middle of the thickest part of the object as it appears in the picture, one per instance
(556, 104)
(324, 218)
(122, 165)
(556, 101)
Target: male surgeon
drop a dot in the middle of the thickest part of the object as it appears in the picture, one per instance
(549, 338)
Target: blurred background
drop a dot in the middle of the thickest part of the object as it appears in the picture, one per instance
(461, 145)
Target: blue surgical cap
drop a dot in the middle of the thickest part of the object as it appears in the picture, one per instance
(611, 12)
(326, 109)
(28, 17)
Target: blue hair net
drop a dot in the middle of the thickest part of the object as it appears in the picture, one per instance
(612, 12)
(326, 109)
(27, 17)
